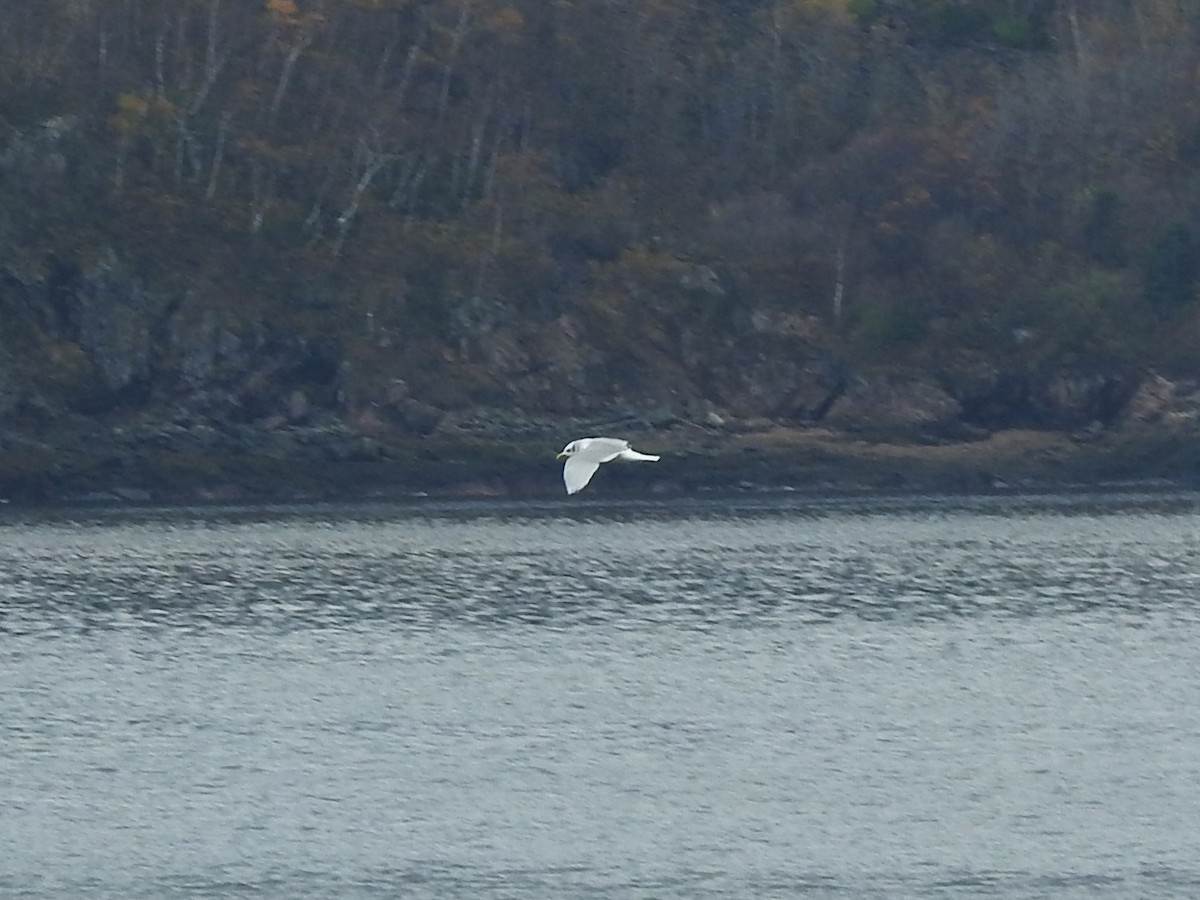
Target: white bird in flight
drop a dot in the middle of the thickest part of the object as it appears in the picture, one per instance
(585, 455)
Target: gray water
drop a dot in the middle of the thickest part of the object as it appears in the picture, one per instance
(751, 698)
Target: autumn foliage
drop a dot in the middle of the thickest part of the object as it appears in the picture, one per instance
(558, 197)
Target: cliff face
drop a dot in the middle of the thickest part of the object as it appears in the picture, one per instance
(131, 392)
(100, 341)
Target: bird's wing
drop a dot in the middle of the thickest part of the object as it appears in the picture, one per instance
(602, 449)
(635, 456)
(577, 472)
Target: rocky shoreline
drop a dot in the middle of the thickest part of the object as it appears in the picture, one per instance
(491, 455)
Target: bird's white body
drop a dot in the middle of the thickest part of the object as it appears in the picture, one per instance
(585, 455)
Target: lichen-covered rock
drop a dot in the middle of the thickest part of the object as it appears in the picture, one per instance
(1162, 401)
(201, 343)
(993, 397)
(1070, 399)
(114, 316)
(776, 376)
(10, 389)
(893, 403)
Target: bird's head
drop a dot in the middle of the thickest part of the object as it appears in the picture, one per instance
(568, 450)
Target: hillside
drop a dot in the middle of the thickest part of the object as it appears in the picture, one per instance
(872, 242)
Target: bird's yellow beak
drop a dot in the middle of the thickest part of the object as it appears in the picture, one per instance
(560, 455)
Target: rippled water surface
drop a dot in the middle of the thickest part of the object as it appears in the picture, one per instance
(770, 698)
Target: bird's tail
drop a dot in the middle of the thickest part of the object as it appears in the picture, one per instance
(634, 455)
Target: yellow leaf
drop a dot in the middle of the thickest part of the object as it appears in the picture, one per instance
(132, 106)
(506, 20)
(283, 9)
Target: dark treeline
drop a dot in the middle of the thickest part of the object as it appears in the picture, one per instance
(541, 202)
